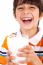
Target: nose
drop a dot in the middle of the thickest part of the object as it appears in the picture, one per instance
(27, 11)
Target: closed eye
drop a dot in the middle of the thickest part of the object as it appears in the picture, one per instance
(32, 7)
(20, 8)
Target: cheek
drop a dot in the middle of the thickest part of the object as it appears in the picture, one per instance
(36, 14)
(36, 17)
(18, 15)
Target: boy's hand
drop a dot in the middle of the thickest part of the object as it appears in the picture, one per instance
(9, 59)
(30, 56)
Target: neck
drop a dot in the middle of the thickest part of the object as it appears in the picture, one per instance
(29, 33)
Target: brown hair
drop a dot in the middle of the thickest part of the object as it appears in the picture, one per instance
(33, 2)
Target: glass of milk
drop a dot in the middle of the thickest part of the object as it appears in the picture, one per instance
(15, 44)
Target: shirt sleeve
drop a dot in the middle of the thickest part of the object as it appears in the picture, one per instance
(4, 45)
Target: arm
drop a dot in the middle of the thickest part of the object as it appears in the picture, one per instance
(6, 60)
(4, 45)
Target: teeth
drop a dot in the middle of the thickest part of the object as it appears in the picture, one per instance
(27, 19)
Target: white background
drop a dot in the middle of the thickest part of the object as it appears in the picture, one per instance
(7, 21)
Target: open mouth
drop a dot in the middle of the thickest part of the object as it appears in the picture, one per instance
(27, 20)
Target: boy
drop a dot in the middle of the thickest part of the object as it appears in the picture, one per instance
(28, 14)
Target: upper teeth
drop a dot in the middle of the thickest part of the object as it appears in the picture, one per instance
(27, 18)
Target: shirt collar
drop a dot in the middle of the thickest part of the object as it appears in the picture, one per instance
(35, 39)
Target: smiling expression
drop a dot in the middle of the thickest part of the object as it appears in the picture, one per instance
(27, 15)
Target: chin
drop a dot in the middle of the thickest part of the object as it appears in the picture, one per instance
(27, 28)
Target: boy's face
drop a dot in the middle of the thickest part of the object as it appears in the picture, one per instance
(27, 15)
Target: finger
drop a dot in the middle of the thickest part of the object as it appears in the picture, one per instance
(22, 61)
(11, 63)
(12, 57)
(9, 53)
(26, 51)
(23, 54)
(7, 58)
(28, 47)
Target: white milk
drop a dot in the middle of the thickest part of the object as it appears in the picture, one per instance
(16, 43)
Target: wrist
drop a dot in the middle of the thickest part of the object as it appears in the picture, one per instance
(37, 62)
